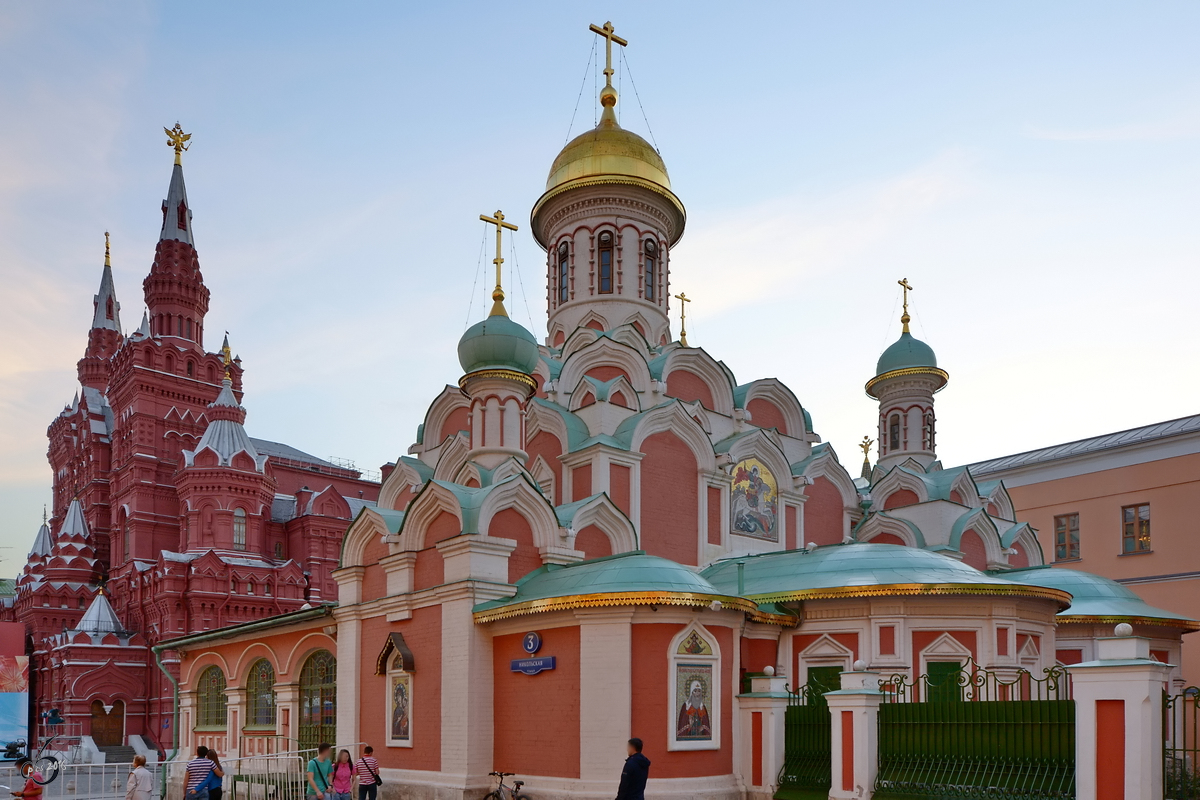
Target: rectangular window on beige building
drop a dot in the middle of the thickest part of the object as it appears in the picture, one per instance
(1135, 529)
(1066, 537)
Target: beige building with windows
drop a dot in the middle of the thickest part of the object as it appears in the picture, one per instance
(1121, 505)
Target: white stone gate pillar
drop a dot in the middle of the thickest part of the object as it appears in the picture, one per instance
(1118, 720)
(854, 751)
(760, 753)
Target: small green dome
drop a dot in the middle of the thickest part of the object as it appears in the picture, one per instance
(906, 353)
(498, 343)
(1094, 596)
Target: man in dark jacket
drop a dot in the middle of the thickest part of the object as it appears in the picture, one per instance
(635, 773)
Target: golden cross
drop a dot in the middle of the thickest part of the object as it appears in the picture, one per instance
(107, 260)
(609, 38)
(176, 138)
(865, 446)
(683, 301)
(226, 356)
(498, 292)
(904, 319)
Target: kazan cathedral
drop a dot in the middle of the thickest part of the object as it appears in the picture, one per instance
(608, 535)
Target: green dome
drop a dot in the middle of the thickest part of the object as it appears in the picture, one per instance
(498, 343)
(906, 353)
(1098, 598)
(861, 569)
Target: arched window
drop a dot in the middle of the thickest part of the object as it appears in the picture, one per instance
(605, 261)
(182, 221)
(894, 433)
(108, 308)
(651, 258)
(239, 529)
(191, 369)
(260, 694)
(188, 322)
(318, 700)
(210, 699)
(279, 550)
(929, 445)
(563, 259)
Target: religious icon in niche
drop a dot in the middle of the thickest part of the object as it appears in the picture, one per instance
(754, 500)
(693, 696)
(400, 725)
(694, 645)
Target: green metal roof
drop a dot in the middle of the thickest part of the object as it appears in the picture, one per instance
(858, 569)
(1099, 599)
(905, 353)
(498, 343)
(577, 430)
(633, 578)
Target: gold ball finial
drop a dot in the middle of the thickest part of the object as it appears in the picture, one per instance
(608, 97)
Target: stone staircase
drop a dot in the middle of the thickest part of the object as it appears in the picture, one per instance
(118, 754)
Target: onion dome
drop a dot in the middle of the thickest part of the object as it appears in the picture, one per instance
(498, 343)
(1098, 599)
(908, 355)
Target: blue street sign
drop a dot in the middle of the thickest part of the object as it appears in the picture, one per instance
(532, 666)
(532, 642)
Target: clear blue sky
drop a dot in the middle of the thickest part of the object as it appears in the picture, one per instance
(1032, 168)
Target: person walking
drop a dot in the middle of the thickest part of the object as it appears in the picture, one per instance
(319, 770)
(635, 773)
(33, 787)
(216, 781)
(343, 776)
(196, 776)
(368, 774)
(141, 782)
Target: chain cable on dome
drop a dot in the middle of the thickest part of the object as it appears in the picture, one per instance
(475, 285)
(638, 97)
(516, 267)
(582, 84)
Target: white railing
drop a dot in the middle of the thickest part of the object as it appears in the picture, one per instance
(81, 781)
(275, 776)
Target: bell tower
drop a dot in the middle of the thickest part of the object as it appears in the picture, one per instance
(608, 221)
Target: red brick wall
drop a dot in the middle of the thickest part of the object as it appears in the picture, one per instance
(594, 542)
(428, 570)
(900, 498)
(1019, 558)
(606, 373)
(670, 499)
(509, 524)
(653, 705)
(886, 538)
(581, 482)
(619, 478)
(792, 524)
(972, 549)
(537, 716)
(374, 579)
(550, 448)
(689, 387)
(766, 414)
(758, 653)
(823, 512)
(714, 515)
(423, 634)
(458, 420)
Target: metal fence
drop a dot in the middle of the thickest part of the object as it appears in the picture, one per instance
(1181, 745)
(81, 781)
(807, 741)
(274, 776)
(973, 734)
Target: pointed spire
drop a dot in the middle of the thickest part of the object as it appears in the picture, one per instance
(100, 617)
(106, 310)
(177, 214)
(42, 543)
(74, 526)
(144, 329)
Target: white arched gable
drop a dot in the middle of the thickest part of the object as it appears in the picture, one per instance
(450, 400)
(519, 494)
(762, 445)
(714, 374)
(580, 394)
(367, 527)
(604, 514)
(627, 334)
(777, 394)
(978, 520)
(623, 386)
(674, 417)
(578, 339)
(403, 477)
(896, 480)
(469, 472)
(539, 419)
(1026, 539)
(544, 475)
(424, 509)
(877, 524)
(966, 488)
(604, 352)
(509, 468)
(451, 456)
(945, 648)
(826, 465)
(1000, 498)
(825, 652)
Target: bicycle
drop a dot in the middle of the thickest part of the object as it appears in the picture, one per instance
(505, 792)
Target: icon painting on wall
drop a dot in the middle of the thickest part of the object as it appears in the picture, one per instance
(693, 689)
(754, 501)
(400, 730)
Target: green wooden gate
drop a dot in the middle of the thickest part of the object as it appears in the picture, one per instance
(1181, 745)
(807, 739)
(963, 732)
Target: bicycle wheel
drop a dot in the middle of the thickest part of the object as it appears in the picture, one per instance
(522, 797)
(492, 796)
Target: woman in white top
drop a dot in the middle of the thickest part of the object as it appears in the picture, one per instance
(141, 782)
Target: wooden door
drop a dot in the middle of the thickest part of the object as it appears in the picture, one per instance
(108, 728)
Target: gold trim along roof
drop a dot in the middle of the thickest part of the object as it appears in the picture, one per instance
(623, 599)
(610, 179)
(1185, 624)
(900, 373)
(910, 589)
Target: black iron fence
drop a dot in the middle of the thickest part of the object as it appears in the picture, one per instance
(1181, 745)
(807, 746)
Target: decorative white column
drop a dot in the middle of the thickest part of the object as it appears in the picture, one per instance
(349, 650)
(759, 757)
(854, 754)
(1118, 720)
(606, 686)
